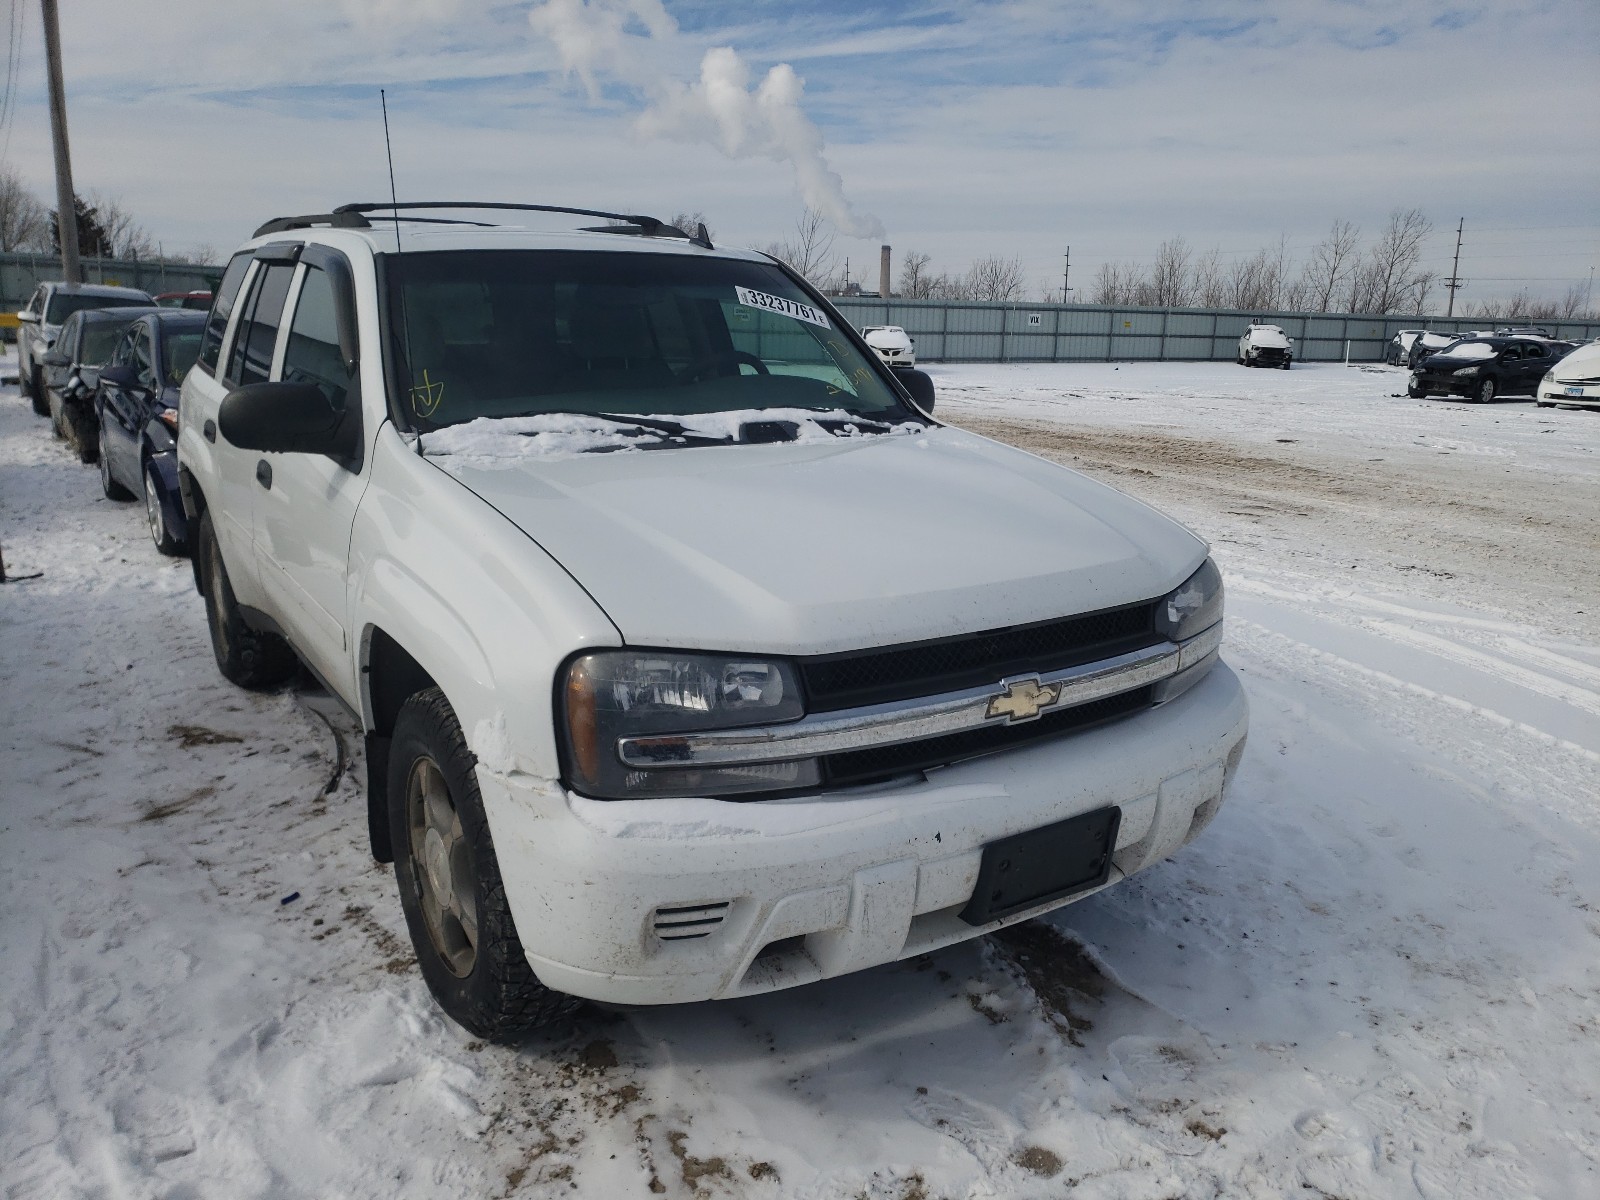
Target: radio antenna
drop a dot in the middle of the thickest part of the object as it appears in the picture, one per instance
(405, 323)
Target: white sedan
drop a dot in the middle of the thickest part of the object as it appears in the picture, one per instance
(1575, 380)
(892, 344)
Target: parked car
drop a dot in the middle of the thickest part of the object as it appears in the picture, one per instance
(72, 371)
(1523, 331)
(1485, 368)
(40, 324)
(137, 411)
(892, 344)
(197, 300)
(1264, 345)
(1400, 345)
(1574, 380)
(1427, 343)
(610, 543)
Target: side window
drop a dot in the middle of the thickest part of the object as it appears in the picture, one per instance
(1512, 354)
(122, 356)
(251, 357)
(1535, 350)
(221, 309)
(143, 362)
(312, 355)
(36, 301)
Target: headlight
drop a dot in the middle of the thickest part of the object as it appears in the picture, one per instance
(1194, 607)
(614, 694)
(1192, 617)
(1465, 371)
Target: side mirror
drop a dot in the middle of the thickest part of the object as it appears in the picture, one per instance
(286, 418)
(28, 318)
(920, 385)
(121, 376)
(56, 359)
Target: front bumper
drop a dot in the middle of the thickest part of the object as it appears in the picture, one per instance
(782, 892)
(1556, 393)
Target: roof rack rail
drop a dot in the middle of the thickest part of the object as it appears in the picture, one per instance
(354, 216)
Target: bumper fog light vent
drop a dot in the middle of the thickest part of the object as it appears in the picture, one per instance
(683, 923)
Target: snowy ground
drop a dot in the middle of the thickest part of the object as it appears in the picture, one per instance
(1376, 975)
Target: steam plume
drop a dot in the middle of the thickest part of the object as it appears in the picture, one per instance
(634, 42)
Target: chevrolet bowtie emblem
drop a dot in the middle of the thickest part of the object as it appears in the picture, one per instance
(1023, 700)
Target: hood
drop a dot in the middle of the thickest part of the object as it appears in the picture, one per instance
(1269, 338)
(1579, 366)
(822, 546)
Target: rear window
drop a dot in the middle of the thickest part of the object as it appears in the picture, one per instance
(528, 333)
(64, 304)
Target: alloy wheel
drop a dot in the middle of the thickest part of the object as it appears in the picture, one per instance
(441, 857)
(152, 511)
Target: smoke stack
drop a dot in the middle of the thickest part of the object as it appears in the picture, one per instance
(883, 272)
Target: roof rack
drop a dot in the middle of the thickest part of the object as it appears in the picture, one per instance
(353, 216)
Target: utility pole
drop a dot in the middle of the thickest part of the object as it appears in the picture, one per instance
(1455, 270)
(1066, 272)
(66, 209)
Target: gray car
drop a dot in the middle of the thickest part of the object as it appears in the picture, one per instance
(41, 319)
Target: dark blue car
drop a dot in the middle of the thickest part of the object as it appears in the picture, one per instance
(136, 407)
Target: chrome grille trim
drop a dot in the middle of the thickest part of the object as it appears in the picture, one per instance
(913, 720)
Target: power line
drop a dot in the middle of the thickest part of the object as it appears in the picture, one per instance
(8, 102)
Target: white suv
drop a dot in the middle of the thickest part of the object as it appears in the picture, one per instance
(695, 658)
(40, 320)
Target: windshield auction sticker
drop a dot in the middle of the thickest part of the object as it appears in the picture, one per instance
(777, 304)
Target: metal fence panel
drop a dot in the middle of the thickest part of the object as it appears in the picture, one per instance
(1098, 333)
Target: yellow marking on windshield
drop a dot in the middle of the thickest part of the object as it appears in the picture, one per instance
(426, 396)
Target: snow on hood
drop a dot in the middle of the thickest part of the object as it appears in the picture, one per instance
(833, 543)
(1473, 350)
(1267, 335)
(500, 442)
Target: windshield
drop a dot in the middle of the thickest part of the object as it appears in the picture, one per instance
(181, 349)
(528, 333)
(1472, 350)
(99, 340)
(64, 304)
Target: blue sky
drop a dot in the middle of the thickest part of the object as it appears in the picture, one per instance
(1017, 127)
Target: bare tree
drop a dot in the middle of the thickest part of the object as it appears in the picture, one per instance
(915, 278)
(995, 278)
(124, 237)
(1117, 283)
(1328, 270)
(690, 222)
(810, 250)
(24, 219)
(1209, 282)
(1170, 283)
(1576, 301)
(1389, 277)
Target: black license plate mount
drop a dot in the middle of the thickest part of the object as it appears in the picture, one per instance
(1037, 866)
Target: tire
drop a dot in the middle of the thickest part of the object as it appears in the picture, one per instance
(252, 659)
(36, 392)
(1486, 392)
(1287, 364)
(1416, 393)
(24, 378)
(108, 483)
(1545, 403)
(83, 436)
(156, 516)
(467, 945)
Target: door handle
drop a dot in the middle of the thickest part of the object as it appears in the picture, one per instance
(264, 473)
(210, 430)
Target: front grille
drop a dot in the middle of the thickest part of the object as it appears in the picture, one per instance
(918, 669)
(861, 766)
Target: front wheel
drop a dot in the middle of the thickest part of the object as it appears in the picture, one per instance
(1415, 392)
(156, 515)
(1545, 403)
(250, 658)
(450, 886)
(36, 392)
(1287, 364)
(1486, 391)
